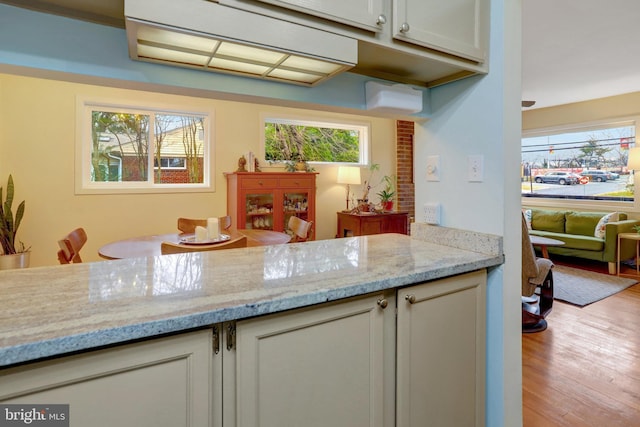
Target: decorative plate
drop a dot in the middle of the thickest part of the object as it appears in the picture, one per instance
(190, 239)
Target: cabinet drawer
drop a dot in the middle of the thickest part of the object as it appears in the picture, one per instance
(259, 183)
(302, 182)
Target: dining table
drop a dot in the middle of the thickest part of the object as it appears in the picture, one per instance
(148, 246)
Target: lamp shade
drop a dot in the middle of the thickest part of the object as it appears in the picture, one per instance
(349, 175)
(633, 162)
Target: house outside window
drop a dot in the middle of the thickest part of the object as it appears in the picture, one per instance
(315, 141)
(580, 165)
(131, 149)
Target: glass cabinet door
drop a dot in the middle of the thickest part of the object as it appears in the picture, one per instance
(259, 209)
(296, 203)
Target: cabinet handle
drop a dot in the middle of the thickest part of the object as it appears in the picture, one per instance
(381, 20)
(231, 336)
(383, 303)
(404, 28)
(410, 298)
(216, 340)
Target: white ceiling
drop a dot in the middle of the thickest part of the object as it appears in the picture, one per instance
(573, 50)
(577, 50)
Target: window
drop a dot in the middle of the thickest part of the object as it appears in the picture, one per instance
(315, 141)
(586, 163)
(131, 149)
(170, 163)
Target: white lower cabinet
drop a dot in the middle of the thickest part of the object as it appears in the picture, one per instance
(441, 353)
(352, 363)
(163, 382)
(320, 366)
(340, 364)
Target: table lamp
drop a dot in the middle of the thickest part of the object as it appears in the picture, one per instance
(348, 175)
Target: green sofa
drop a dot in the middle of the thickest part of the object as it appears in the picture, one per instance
(577, 231)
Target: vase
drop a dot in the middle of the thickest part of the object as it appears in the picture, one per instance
(21, 260)
(301, 167)
(387, 206)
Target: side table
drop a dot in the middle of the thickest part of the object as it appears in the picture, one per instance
(362, 224)
(543, 242)
(629, 236)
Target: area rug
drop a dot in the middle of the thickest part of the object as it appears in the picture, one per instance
(582, 287)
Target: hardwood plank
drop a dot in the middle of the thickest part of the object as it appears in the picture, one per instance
(584, 370)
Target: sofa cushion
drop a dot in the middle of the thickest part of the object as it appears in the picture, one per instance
(602, 224)
(582, 223)
(527, 217)
(549, 221)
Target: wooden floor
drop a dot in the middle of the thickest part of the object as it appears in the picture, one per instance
(584, 370)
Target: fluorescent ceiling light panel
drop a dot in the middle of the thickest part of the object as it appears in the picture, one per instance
(211, 37)
(168, 55)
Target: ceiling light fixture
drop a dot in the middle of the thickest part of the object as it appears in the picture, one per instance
(207, 36)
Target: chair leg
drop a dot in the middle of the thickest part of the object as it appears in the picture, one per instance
(613, 268)
(546, 295)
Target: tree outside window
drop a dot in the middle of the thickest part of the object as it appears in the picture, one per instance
(312, 141)
(125, 146)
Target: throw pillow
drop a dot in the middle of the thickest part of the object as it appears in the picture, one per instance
(612, 217)
(527, 217)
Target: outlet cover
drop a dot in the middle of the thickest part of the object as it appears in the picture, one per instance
(432, 213)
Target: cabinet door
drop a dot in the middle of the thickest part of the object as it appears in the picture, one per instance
(367, 14)
(296, 203)
(441, 352)
(396, 224)
(321, 366)
(451, 26)
(259, 210)
(163, 382)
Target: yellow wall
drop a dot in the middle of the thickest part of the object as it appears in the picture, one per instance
(37, 146)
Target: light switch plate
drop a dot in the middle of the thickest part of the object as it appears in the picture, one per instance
(433, 168)
(476, 167)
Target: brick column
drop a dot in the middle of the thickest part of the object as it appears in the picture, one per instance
(404, 167)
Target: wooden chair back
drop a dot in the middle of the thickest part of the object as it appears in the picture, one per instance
(177, 248)
(188, 225)
(301, 229)
(70, 246)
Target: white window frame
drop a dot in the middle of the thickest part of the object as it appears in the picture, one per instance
(83, 183)
(586, 205)
(364, 128)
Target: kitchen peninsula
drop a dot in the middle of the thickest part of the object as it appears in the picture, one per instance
(277, 334)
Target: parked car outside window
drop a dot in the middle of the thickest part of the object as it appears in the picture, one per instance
(557, 177)
(597, 175)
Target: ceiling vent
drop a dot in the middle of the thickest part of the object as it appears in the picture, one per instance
(207, 36)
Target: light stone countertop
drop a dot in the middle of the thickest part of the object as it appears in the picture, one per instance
(51, 311)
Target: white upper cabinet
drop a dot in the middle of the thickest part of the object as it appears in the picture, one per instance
(367, 14)
(420, 42)
(456, 27)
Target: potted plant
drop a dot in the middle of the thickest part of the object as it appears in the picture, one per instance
(299, 164)
(14, 255)
(387, 194)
